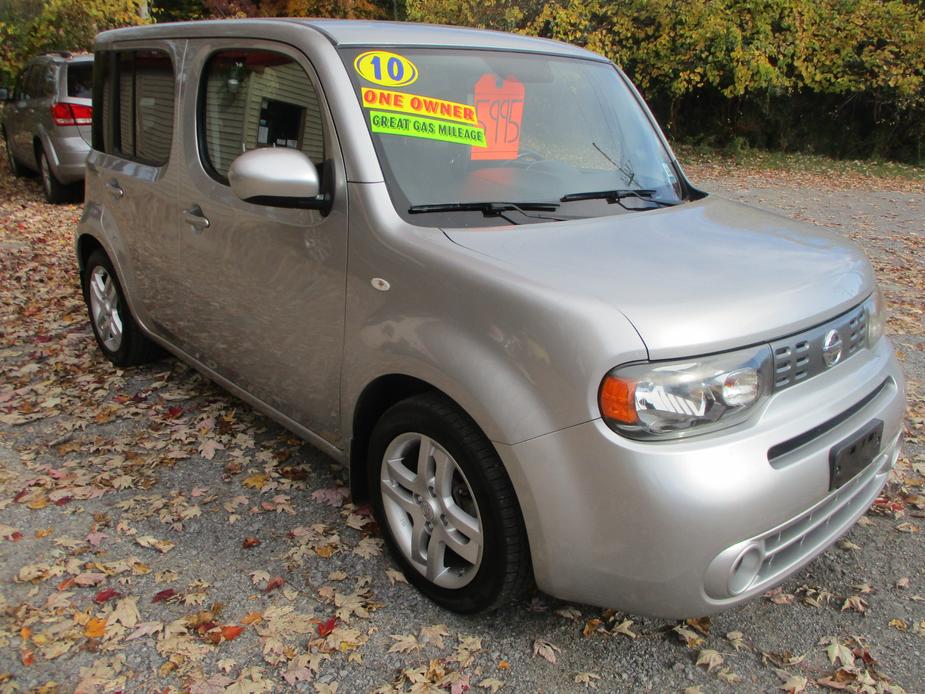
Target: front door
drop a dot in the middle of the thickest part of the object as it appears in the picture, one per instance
(266, 285)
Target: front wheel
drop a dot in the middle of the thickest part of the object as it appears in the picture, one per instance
(116, 331)
(446, 506)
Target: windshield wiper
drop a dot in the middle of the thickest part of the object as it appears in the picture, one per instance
(486, 207)
(617, 196)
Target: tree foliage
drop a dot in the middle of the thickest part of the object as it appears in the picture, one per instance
(28, 28)
(172, 10)
(843, 76)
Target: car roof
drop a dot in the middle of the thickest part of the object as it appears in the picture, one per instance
(61, 58)
(355, 32)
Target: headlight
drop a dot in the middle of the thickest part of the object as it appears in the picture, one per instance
(876, 318)
(665, 400)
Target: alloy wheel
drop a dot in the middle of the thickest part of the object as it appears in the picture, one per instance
(104, 307)
(431, 510)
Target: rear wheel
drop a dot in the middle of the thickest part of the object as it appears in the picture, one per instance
(15, 167)
(446, 506)
(116, 331)
(55, 191)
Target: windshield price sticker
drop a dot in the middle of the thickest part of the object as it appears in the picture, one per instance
(500, 109)
(427, 128)
(418, 105)
(385, 68)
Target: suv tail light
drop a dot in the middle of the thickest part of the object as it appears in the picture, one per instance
(71, 114)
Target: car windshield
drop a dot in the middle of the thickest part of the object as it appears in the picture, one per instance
(456, 130)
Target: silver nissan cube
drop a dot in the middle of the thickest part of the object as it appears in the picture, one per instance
(468, 266)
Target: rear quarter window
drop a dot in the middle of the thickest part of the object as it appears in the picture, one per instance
(135, 93)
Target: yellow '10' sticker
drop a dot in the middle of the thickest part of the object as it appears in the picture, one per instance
(385, 68)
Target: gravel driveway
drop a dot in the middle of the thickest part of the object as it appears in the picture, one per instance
(158, 535)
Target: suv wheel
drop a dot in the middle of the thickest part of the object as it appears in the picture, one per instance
(116, 331)
(446, 506)
(15, 168)
(55, 191)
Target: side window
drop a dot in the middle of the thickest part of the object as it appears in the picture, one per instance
(135, 93)
(254, 98)
(35, 81)
(21, 83)
(49, 81)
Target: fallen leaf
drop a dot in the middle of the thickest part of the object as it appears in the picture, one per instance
(95, 628)
(404, 643)
(231, 631)
(710, 659)
(624, 628)
(588, 679)
(690, 639)
(856, 603)
(326, 627)
(106, 595)
(491, 684)
(546, 650)
(791, 683)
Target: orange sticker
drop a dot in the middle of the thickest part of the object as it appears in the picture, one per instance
(418, 105)
(500, 110)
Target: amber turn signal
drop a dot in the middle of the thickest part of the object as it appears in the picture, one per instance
(617, 400)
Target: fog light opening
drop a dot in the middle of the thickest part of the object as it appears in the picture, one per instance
(745, 569)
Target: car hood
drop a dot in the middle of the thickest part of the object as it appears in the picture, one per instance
(700, 277)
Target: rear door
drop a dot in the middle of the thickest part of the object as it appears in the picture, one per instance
(132, 171)
(265, 285)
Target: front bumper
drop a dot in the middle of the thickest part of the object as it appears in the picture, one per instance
(656, 527)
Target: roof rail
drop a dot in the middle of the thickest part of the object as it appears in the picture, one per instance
(62, 54)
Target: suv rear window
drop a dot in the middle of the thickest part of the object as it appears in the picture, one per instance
(80, 80)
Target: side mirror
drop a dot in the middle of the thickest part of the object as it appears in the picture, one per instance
(279, 177)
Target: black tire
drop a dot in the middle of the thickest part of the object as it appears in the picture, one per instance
(15, 166)
(504, 571)
(134, 347)
(55, 191)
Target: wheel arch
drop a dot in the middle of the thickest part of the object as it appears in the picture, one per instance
(378, 396)
(86, 244)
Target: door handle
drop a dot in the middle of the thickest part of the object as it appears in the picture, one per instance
(115, 189)
(196, 219)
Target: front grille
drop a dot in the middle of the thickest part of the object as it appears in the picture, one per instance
(799, 357)
(812, 530)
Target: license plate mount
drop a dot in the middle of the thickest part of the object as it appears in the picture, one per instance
(848, 458)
